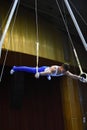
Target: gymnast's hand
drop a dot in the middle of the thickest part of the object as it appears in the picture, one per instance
(83, 78)
(37, 75)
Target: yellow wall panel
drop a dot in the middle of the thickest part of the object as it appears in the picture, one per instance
(23, 36)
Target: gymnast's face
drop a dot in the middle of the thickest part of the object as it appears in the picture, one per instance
(61, 69)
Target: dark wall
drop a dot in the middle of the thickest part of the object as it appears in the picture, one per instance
(30, 104)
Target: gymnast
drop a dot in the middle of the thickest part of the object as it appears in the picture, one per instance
(52, 71)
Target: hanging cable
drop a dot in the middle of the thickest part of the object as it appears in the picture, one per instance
(7, 24)
(78, 13)
(74, 50)
(37, 39)
(3, 66)
(76, 24)
(4, 21)
(69, 37)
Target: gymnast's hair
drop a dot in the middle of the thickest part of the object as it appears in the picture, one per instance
(66, 66)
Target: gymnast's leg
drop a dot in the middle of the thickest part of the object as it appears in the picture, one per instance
(23, 69)
(27, 69)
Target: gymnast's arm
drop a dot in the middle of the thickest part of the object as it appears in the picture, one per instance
(74, 76)
(44, 73)
(82, 79)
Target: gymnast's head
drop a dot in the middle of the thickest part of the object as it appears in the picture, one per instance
(66, 66)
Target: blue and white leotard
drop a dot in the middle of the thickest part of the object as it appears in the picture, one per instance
(55, 74)
(40, 69)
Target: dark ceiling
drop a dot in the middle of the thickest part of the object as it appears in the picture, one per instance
(50, 10)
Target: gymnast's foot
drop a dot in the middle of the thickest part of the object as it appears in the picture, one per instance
(49, 77)
(12, 70)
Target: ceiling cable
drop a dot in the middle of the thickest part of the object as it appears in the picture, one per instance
(4, 20)
(3, 66)
(37, 39)
(74, 50)
(78, 13)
